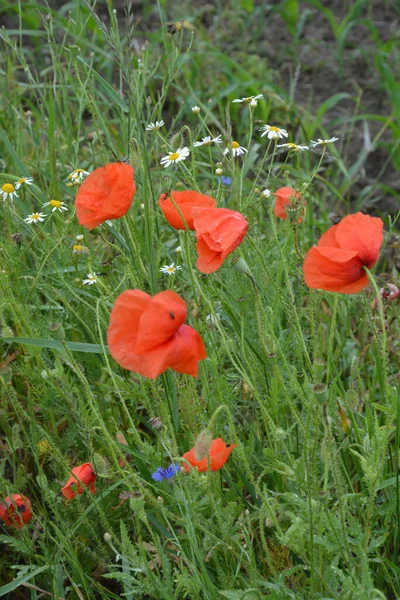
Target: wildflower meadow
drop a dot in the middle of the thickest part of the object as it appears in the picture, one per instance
(199, 333)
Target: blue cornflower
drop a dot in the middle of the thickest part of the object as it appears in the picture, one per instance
(167, 473)
(226, 180)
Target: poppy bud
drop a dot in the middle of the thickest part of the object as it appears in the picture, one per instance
(202, 444)
(57, 331)
(240, 265)
(301, 377)
(101, 464)
(321, 392)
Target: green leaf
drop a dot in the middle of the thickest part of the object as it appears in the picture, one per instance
(247, 5)
(18, 162)
(290, 14)
(6, 589)
(41, 343)
(107, 88)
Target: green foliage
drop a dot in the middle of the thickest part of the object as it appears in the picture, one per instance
(304, 382)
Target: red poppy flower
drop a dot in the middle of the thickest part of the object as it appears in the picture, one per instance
(336, 263)
(285, 197)
(186, 201)
(147, 334)
(106, 193)
(219, 231)
(16, 511)
(218, 454)
(83, 475)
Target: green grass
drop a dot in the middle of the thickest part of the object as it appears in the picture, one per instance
(304, 382)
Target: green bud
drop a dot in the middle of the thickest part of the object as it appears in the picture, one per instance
(57, 331)
(202, 444)
(321, 392)
(240, 265)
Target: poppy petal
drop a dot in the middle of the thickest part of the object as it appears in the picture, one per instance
(186, 201)
(124, 324)
(186, 351)
(106, 193)
(219, 231)
(322, 273)
(209, 260)
(161, 319)
(361, 233)
(218, 455)
(218, 460)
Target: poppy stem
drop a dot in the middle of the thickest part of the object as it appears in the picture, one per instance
(329, 357)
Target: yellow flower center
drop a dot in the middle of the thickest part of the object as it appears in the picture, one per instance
(77, 248)
(35, 216)
(55, 203)
(174, 155)
(8, 188)
(208, 143)
(22, 180)
(274, 129)
(247, 100)
(235, 145)
(78, 171)
(171, 269)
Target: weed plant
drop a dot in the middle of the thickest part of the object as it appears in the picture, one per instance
(304, 382)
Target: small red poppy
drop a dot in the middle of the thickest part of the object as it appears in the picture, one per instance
(185, 201)
(219, 231)
(147, 334)
(16, 511)
(285, 197)
(336, 263)
(218, 454)
(106, 193)
(83, 475)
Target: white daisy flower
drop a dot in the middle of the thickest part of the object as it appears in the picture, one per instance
(196, 110)
(291, 146)
(219, 171)
(8, 191)
(174, 157)
(235, 148)
(22, 181)
(170, 269)
(56, 205)
(266, 193)
(79, 237)
(248, 99)
(79, 249)
(320, 142)
(34, 217)
(208, 141)
(91, 279)
(154, 126)
(76, 177)
(273, 133)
